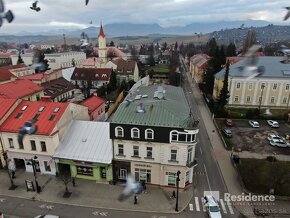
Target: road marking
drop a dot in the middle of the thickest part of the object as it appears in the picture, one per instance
(96, 213)
(200, 150)
(223, 206)
(49, 207)
(196, 204)
(191, 207)
(2, 200)
(203, 204)
(42, 206)
(207, 177)
(230, 207)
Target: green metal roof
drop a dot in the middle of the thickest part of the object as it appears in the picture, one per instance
(169, 107)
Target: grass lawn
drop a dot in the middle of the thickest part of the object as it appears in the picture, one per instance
(259, 176)
(160, 69)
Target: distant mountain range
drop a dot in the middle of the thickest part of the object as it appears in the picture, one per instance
(129, 29)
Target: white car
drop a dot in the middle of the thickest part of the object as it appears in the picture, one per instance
(273, 136)
(212, 207)
(273, 123)
(279, 143)
(254, 124)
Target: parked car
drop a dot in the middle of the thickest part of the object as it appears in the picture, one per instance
(273, 136)
(212, 207)
(227, 132)
(279, 143)
(254, 124)
(273, 123)
(229, 122)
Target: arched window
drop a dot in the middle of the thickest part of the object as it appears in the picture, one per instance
(173, 136)
(149, 134)
(135, 133)
(119, 131)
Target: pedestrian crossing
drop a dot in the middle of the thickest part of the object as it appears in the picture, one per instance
(198, 205)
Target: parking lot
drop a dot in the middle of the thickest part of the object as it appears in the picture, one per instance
(247, 138)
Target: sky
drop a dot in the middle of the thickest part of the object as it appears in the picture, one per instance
(74, 14)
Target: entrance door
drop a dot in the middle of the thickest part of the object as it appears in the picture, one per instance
(123, 174)
(103, 172)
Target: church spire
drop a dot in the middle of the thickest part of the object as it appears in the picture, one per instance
(101, 33)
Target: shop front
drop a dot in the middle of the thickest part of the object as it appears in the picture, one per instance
(122, 170)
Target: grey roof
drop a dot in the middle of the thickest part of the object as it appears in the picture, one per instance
(86, 141)
(169, 107)
(273, 66)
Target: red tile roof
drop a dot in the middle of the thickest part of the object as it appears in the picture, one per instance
(101, 33)
(5, 105)
(44, 125)
(19, 89)
(5, 73)
(5, 54)
(93, 103)
(125, 66)
(34, 76)
(91, 74)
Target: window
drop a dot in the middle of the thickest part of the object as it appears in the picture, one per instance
(47, 166)
(248, 98)
(136, 151)
(21, 146)
(236, 98)
(86, 171)
(173, 154)
(171, 178)
(135, 133)
(287, 86)
(149, 152)
(187, 176)
(56, 109)
(119, 132)
(142, 174)
(41, 109)
(238, 85)
(189, 155)
(174, 136)
(250, 86)
(284, 100)
(11, 143)
(272, 99)
(120, 149)
(33, 145)
(18, 115)
(51, 117)
(35, 117)
(149, 134)
(274, 86)
(43, 146)
(24, 107)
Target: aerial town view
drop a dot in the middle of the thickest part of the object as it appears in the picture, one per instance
(150, 109)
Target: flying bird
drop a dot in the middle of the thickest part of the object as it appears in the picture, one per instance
(5, 15)
(251, 69)
(28, 128)
(288, 13)
(34, 6)
(131, 188)
(87, 1)
(242, 26)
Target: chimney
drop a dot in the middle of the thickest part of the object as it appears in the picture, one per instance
(46, 99)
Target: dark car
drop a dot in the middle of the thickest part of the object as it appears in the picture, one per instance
(227, 132)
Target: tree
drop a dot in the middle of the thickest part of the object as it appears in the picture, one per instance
(212, 46)
(112, 44)
(224, 93)
(113, 81)
(66, 178)
(231, 50)
(73, 63)
(176, 46)
(164, 46)
(19, 60)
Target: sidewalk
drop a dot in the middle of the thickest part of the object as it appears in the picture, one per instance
(223, 157)
(91, 194)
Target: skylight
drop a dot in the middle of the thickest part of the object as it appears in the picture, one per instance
(41, 109)
(24, 107)
(18, 115)
(51, 117)
(56, 109)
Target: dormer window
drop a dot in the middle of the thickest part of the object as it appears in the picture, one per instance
(119, 132)
(174, 136)
(41, 109)
(149, 134)
(104, 75)
(24, 107)
(96, 75)
(135, 133)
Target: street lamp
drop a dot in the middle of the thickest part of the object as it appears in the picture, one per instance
(260, 102)
(38, 188)
(177, 189)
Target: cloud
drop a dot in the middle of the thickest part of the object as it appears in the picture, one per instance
(75, 14)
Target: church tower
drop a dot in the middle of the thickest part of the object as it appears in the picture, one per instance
(102, 52)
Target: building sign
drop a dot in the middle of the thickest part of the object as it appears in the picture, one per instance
(86, 171)
(142, 165)
(29, 185)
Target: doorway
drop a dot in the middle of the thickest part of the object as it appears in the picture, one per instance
(123, 174)
(103, 172)
(64, 169)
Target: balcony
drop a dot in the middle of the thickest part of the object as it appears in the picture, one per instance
(191, 164)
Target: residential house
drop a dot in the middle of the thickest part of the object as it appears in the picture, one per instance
(85, 151)
(154, 136)
(7, 106)
(13, 71)
(5, 59)
(52, 119)
(96, 106)
(197, 66)
(269, 88)
(93, 77)
(21, 89)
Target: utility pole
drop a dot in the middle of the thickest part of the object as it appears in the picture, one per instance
(177, 189)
